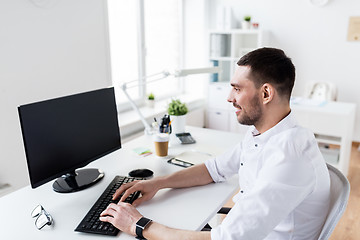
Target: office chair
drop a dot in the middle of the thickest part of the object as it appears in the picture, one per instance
(321, 91)
(339, 195)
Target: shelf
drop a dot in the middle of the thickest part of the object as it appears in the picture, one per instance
(330, 153)
(235, 31)
(328, 139)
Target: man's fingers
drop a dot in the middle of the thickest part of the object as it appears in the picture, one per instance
(110, 210)
(107, 219)
(138, 201)
(128, 192)
(108, 215)
(121, 189)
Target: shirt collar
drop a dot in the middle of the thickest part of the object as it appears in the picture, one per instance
(286, 123)
(255, 132)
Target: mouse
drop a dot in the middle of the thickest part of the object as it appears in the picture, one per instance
(143, 173)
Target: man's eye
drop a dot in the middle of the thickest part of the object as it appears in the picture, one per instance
(237, 89)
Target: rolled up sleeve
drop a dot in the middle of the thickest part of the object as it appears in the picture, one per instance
(225, 165)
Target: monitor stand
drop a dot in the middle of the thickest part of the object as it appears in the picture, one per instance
(77, 180)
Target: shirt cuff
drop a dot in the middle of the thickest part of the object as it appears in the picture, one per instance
(216, 234)
(212, 169)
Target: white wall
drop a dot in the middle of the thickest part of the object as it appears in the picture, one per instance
(314, 37)
(46, 51)
(195, 44)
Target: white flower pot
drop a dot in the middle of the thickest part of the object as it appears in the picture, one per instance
(150, 103)
(178, 123)
(245, 25)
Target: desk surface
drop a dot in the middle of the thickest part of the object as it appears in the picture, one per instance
(189, 208)
(338, 108)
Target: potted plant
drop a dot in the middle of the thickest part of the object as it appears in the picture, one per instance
(246, 23)
(151, 100)
(177, 111)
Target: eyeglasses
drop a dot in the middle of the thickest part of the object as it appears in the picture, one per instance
(43, 218)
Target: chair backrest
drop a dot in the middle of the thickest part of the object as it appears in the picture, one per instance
(321, 91)
(339, 195)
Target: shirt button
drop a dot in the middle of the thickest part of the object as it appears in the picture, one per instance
(241, 164)
(242, 191)
(256, 145)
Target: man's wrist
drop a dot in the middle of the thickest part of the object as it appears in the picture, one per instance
(140, 227)
(160, 182)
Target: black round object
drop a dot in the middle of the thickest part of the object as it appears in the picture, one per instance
(143, 173)
(78, 180)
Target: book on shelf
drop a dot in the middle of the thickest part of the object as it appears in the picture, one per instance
(218, 47)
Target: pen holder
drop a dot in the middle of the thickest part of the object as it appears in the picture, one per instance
(165, 129)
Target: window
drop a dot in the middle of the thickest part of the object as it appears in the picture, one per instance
(123, 44)
(145, 39)
(163, 43)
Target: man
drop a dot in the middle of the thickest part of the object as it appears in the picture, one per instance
(284, 182)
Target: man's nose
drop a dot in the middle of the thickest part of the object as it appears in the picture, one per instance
(230, 97)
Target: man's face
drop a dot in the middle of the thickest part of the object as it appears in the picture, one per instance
(245, 97)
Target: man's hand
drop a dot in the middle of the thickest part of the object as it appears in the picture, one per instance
(193, 176)
(123, 216)
(148, 189)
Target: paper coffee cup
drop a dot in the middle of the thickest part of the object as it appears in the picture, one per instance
(161, 141)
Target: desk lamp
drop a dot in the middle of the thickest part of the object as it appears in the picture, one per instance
(160, 76)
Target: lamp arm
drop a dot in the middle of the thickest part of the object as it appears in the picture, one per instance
(186, 72)
(164, 74)
(133, 105)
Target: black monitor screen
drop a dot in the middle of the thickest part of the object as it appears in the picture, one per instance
(63, 134)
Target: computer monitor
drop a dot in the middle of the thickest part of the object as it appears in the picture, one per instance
(63, 134)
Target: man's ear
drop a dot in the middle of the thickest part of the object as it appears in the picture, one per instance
(268, 92)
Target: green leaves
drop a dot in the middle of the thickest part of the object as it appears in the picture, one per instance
(151, 96)
(177, 108)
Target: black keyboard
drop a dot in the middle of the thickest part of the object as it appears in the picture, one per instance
(91, 222)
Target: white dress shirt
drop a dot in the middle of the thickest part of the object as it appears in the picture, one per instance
(284, 185)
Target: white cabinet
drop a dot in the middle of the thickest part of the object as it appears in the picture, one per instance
(217, 113)
(333, 126)
(218, 94)
(226, 48)
(218, 119)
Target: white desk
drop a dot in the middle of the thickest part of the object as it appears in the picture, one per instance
(179, 208)
(332, 123)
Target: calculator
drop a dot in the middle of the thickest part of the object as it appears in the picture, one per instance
(185, 138)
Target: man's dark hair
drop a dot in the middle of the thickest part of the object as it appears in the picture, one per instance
(270, 65)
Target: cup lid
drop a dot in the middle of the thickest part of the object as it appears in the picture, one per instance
(161, 137)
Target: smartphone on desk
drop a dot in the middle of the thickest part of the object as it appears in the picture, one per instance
(180, 163)
(189, 158)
